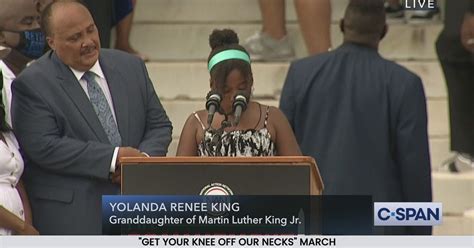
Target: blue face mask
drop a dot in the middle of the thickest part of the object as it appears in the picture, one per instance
(33, 44)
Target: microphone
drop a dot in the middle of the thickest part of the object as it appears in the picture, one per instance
(213, 102)
(239, 105)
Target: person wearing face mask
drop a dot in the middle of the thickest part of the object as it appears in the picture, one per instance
(24, 38)
(26, 46)
(30, 43)
(20, 26)
(261, 131)
(33, 44)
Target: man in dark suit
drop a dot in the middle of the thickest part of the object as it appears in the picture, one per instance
(361, 116)
(76, 111)
(455, 47)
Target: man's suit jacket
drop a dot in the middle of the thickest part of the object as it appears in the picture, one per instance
(363, 119)
(68, 155)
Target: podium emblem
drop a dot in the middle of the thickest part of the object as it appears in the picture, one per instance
(216, 189)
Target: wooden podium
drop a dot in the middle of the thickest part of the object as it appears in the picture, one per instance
(240, 176)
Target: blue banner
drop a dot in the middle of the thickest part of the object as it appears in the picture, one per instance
(285, 215)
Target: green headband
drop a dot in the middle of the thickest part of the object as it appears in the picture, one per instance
(227, 54)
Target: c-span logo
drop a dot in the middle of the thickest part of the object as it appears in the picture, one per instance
(408, 213)
(216, 189)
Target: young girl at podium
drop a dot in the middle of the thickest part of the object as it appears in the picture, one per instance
(233, 124)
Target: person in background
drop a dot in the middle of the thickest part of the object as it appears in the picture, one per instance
(362, 117)
(115, 13)
(25, 46)
(11, 66)
(102, 11)
(261, 131)
(455, 48)
(18, 15)
(273, 43)
(123, 20)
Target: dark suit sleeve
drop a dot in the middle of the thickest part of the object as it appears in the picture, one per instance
(412, 148)
(158, 129)
(39, 135)
(287, 99)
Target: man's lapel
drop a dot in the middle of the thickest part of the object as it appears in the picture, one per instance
(74, 90)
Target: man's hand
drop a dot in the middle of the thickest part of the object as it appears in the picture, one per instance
(124, 152)
(117, 177)
(128, 152)
(467, 32)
